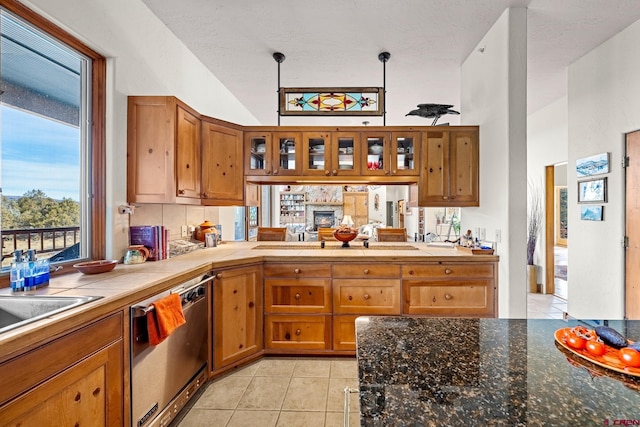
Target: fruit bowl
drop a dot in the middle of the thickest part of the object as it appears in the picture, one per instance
(95, 267)
(345, 236)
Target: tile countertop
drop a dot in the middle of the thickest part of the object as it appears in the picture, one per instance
(128, 284)
(499, 372)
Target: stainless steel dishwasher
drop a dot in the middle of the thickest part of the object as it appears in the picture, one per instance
(164, 377)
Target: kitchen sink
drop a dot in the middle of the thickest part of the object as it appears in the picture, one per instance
(19, 310)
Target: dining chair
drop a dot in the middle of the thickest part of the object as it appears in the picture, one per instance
(392, 234)
(326, 234)
(272, 234)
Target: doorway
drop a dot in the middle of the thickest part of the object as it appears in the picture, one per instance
(556, 231)
(632, 226)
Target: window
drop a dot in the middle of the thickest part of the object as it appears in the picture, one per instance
(51, 141)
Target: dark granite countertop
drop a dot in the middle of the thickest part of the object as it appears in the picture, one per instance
(485, 372)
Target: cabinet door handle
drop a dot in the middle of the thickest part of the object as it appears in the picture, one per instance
(394, 171)
(251, 304)
(297, 296)
(447, 297)
(445, 198)
(275, 172)
(219, 276)
(447, 271)
(326, 172)
(366, 271)
(335, 172)
(296, 270)
(366, 296)
(411, 272)
(180, 191)
(204, 195)
(268, 172)
(298, 331)
(350, 298)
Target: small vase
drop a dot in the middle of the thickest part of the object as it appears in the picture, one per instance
(532, 279)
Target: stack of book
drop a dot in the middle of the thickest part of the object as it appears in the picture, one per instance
(153, 237)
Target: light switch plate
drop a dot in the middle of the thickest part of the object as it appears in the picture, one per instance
(498, 235)
(183, 231)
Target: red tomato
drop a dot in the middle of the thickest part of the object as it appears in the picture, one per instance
(629, 357)
(575, 341)
(596, 348)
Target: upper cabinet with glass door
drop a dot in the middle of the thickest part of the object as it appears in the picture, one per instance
(272, 153)
(316, 151)
(375, 153)
(405, 152)
(345, 153)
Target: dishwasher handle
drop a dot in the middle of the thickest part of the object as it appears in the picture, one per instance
(140, 311)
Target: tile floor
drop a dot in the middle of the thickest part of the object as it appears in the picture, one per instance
(278, 391)
(299, 392)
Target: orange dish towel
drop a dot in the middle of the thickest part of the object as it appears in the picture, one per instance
(166, 317)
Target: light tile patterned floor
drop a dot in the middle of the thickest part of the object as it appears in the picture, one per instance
(545, 306)
(279, 392)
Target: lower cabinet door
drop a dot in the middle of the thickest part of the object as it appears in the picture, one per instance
(310, 332)
(87, 394)
(344, 332)
(448, 298)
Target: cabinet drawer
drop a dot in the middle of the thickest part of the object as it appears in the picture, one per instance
(297, 270)
(298, 332)
(366, 270)
(344, 332)
(471, 298)
(357, 296)
(448, 270)
(297, 296)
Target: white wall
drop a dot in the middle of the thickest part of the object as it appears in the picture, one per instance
(604, 88)
(144, 58)
(493, 88)
(547, 141)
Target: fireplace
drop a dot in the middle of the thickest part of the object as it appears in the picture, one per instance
(323, 219)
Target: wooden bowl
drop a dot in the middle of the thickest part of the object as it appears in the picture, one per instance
(345, 237)
(95, 267)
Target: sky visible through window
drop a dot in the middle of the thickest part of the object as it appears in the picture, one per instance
(38, 154)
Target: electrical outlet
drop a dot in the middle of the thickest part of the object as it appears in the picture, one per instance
(183, 231)
(498, 235)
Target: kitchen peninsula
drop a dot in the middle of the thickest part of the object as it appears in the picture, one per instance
(434, 372)
(289, 298)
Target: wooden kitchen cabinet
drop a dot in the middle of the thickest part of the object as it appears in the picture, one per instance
(452, 289)
(77, 379)
(449, 168)
(163, 151)
(297, 307)
(237, 315)
(362, 289)
(222, 172)
(405, 153)
(273, 153)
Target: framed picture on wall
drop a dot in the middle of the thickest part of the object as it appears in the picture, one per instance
(592, 190)
(593, 165)
(591, 213)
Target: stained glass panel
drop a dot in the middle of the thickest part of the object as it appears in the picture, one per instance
(331, 101)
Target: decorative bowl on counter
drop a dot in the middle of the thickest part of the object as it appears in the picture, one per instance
(95, 267)
(345, 235)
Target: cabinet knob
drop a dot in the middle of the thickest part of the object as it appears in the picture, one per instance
(394, 171)
(411, 272)
(219, 276)
(251, 304)
(447, 271)
(275, 172)
(447, 297)
(335, 172)
(298, 331)
(180, 191)
(350, 298)
(204, 195)
(297, 296)
(366, 271)
(268, 172)
(366, 296)
(296, 270)
(445, 198)
(326, 172)
(187, 166)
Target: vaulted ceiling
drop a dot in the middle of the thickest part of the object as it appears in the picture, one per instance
(337, 42)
